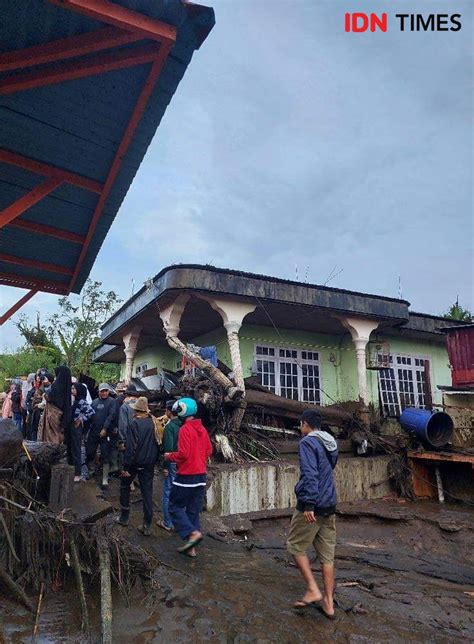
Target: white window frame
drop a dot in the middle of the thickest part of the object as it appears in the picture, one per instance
(141, 368)
(299, 361)
(395, 404)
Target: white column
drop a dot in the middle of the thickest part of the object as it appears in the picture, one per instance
(233, 314)
(130, 342)
(360, 330)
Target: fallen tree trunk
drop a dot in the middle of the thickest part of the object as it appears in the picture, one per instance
(279, 405)
(213, 372)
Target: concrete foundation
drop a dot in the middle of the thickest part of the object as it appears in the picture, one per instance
(236, 489)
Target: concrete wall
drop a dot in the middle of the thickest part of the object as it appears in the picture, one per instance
(268, 486)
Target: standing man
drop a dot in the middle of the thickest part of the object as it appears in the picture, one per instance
(141, 455)
(170, 444)
(101, 432)
(189, 486)
(314, 521)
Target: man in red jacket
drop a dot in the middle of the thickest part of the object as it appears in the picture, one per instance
(189, 486)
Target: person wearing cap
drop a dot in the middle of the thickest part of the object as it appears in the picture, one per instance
(126, 413)
(313, 522)
(141, 455)
(170, 444)
(189, 486)
(101, 432)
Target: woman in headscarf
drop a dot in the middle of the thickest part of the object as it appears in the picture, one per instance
(82, 413)
(57, 416)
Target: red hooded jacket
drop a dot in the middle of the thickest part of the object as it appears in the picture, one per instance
(194, 448)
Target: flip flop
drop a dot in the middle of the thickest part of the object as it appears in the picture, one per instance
(332, 618)
(162, 524)
(189, 544)
(301, 603)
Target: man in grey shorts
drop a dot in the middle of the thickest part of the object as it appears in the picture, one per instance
(314, 521)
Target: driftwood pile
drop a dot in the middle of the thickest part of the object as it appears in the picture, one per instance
(245, 421)
(41, 548)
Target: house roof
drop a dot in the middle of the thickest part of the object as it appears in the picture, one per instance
(285, 303)
(84, 85)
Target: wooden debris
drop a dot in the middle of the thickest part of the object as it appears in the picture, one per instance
(15, 590)
(105, 590)
(38, 611)
(80, 586)
(60, 491)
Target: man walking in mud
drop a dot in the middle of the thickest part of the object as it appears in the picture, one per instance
(314, 521)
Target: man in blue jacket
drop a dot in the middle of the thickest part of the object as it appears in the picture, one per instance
(314, 520)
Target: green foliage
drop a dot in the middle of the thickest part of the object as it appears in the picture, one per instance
(23, 362)
(105, 372)
(73, 332)
(458, 313)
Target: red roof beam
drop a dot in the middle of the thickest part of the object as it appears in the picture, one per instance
(33, 263)
(12, 310)
(63, 48)
(113, 14)
(12, 158)
(21, 281)
(51, 231)
(137, 114)
(72, 70)
(17, 208)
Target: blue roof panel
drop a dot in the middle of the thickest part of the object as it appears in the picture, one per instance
(77, 125)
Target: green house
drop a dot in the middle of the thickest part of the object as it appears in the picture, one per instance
(311, 343)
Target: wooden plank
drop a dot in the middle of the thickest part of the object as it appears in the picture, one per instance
(424, 483)
(442, 456)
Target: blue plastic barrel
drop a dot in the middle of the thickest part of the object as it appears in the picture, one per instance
(434, 428)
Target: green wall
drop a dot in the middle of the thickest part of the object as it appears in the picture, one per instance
(160, 356)
(337, 358)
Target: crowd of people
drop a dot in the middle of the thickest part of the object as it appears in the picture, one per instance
(117, 431)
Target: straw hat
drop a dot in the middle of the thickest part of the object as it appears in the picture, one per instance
(141, 405)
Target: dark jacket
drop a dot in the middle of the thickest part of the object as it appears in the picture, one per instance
(170, 438)
(104, 414)
(16, 402)
(125, 417)
(141, 446)
(316, 490)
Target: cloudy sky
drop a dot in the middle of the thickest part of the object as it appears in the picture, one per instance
(294, 149)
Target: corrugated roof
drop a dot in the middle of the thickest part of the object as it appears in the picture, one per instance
(77, 126)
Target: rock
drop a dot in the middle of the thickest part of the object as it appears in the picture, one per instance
(11, 440)
(238, 524)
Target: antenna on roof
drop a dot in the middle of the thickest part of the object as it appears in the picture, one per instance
(306, 274)
(296, 271)
(133, 286)
(400, 295)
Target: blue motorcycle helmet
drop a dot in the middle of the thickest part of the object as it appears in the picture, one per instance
(185, 407)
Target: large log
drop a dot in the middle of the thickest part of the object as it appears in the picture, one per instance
(276, 405)
(10, 443)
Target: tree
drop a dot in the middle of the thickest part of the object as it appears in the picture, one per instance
(457, 312)
(72, 334)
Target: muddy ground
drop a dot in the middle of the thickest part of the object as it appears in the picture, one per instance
(405, 572)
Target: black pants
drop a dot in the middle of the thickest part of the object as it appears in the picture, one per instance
(74, 450)
(145, 479)
(107, 444)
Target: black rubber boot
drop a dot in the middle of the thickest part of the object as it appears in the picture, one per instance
(124, 515)
(145, 529)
